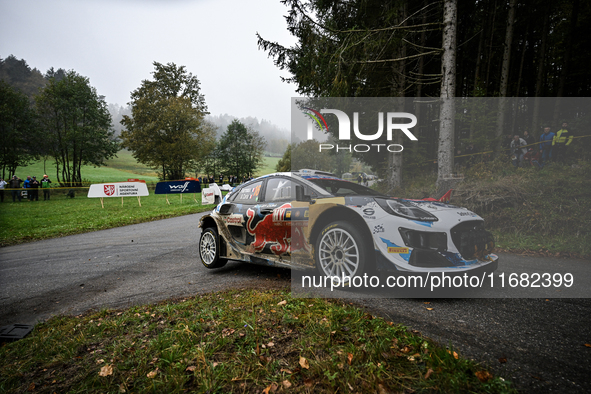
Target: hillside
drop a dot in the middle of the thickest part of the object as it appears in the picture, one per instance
(545, 211)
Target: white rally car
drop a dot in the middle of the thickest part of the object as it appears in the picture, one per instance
(314, 219)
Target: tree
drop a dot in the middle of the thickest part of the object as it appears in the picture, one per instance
(445, 157)
(18, 130)
(19, 75)
(354, 49)
(284, 164)
(307, 154)
(166, 129)
(241, 150)
(76, 126)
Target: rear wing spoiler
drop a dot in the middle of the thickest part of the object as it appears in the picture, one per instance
(446, 198)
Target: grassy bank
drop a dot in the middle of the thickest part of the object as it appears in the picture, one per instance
(27, 221)
(239, 341)
(529, 210)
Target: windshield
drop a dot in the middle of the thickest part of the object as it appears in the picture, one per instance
(338, 187)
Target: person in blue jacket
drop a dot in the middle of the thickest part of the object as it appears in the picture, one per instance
(27, 185)
(546, 145)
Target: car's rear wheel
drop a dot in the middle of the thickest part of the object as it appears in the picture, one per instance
(209, 249)
(340, 251)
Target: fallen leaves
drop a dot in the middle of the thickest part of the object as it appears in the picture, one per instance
(429, 373)
(304, 363)
(483, 376)
(453, 354)
(282, 303)
(271, 388)
(349, 358)
(152, 374)
(106, 370)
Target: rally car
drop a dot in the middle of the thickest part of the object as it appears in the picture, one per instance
(316, 220)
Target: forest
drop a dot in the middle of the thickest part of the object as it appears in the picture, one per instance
(510, 48)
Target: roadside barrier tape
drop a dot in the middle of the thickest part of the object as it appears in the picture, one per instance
(504, 149)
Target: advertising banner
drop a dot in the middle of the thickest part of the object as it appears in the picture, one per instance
(178, 187)
(118, 189)
(209, 194)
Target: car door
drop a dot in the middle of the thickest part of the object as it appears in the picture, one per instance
(268, 223)
(234, 213)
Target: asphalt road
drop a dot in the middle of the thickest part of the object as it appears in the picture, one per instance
(538, 343)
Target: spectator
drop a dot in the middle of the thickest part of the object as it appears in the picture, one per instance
(529, 139)
(27, 185)
(34, 189)
(15, 184)
(546, 145)
(45, 186)
(221, 179)
(359, 179)
(532, 157)
(561, 140)
(2, 185)
(518, 149)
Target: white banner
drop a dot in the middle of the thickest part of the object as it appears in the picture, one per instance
(209, 194)
(118, 189)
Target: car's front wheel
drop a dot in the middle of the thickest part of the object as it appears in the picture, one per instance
(340, 251)
(209, 249)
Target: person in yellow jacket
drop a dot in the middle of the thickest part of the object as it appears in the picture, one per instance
(561, 140)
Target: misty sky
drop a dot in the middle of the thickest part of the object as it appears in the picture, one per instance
(114, 42)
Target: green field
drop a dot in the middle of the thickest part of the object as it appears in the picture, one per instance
(60, 216)
(118, 169)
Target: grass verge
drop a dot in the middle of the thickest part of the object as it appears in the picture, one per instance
(529, 210)
(237, 341)
(30, 221)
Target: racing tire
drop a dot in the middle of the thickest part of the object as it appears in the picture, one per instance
(209, 249)
(341, 250)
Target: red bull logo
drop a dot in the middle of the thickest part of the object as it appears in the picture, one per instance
(267, 231)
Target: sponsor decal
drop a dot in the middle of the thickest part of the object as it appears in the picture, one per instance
(468, 213)
(234, 219)
(266, 232)
(396, 249)
(368, 211)
(378, 229)
(393, 249)
(328, 228)
(281, 214)
(109, 190)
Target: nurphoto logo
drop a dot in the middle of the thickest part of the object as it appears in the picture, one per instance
(345, 129)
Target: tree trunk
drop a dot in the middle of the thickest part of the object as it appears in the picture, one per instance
(541, 72)
(574, 16)
(505, 75)
(445, 158)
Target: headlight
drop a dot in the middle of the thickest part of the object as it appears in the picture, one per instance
(405, 209)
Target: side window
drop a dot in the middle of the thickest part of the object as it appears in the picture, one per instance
(250, 194)
(280, 189)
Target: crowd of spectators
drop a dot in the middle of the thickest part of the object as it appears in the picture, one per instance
(231, 179)
(29, 188)
(525, 150)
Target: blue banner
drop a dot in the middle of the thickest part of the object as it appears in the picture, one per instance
(177, 187)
